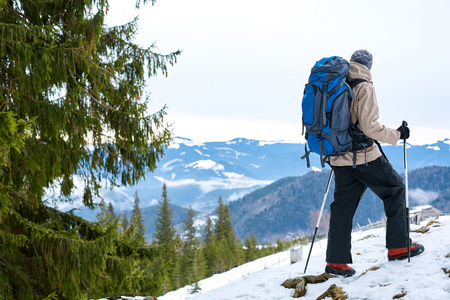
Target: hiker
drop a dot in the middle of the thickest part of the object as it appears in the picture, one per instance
(372, 170)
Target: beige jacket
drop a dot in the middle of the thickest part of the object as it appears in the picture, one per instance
(365, 109)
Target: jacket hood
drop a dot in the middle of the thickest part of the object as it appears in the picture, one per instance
(358, 70)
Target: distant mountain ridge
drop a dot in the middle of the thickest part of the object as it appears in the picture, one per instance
(197, 174)
(205, 171)
(285, 206)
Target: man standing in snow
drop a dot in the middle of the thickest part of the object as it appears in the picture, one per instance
(372, 171)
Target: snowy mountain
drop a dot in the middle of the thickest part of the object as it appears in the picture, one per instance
(289, 206)
(426, 277)
(198, 174)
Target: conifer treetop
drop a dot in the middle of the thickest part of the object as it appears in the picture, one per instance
(82, 87)
(137, 216)
(164, 227)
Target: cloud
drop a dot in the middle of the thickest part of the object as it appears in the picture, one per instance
(422, 197)
(236, 196)
(206, 186)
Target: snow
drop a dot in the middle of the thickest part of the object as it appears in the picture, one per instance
(168, 166)
(233, 181)
(422, 278)
(206, 164)
(200, 152)
(264, 143)
(436, 148)
(187, 142)
(237, 153)
(416, 209)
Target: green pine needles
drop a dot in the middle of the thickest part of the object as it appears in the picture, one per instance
(73, 112)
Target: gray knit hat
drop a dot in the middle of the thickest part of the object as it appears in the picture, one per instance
(363, 57)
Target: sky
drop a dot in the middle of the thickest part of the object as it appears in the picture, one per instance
(244, 63)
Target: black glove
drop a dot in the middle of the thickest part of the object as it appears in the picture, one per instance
(404, 131)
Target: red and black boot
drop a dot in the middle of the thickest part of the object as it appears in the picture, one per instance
(339, 269)
(402, 253)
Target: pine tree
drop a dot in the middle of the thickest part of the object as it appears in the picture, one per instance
(72, 107)
(224, 261)
(166, 285)
(251, 251)
(197, 270)
(239, 253)
(125, 222)
(215, 257)
(280, 245)
(195, 289)
(193, 264)
(165, 234)
(111, 213)
(208, 231)
(209, 252)
(103, 214)
(224, 233)
(223, 229)
(137, 215)
(177, 274)
(190, 231)
(198, 265)
(164, 227)
(106, 216)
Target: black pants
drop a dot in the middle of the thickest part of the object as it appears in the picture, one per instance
(350, 185)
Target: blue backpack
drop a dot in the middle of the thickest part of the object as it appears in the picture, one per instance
(326, 112)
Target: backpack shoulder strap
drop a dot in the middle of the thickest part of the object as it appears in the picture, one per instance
(354, 82)
(381, 150)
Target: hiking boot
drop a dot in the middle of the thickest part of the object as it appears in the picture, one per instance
(339, 269)
(402, 253)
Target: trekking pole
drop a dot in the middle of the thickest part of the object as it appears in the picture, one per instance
(320, 217)
(406, 195)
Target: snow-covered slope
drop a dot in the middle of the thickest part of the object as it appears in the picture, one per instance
(423, 278)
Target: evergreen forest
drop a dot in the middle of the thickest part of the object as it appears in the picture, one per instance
(214, 250)
(73, 113)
